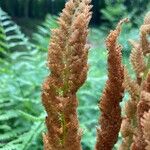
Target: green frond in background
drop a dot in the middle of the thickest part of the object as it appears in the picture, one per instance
(21, 110)
(44, 30)
(21, 74)
(11, 37)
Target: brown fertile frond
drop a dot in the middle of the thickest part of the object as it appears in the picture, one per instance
(126, 128)
(67, 60)
(128, 124)
(127, 132)
(144, 31)
(146, 85)
(110, 120)
(70, 41)
(125, 144)
(146, 97)
(138, 89)
(143, 106)
(145, 122)
(134, 44)
(139, 142)
(131, 86)
(130, 108)
(47, 145)
(137, 61)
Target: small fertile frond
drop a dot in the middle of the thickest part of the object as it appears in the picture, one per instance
(146, 97)
(128, 124)
(134, 44)
(145, 122)
(144, 31)
(142, 107)
(131, 86)
(146, 85)
(137, 61)
(126, 128)
(130, 108)
(139, 90)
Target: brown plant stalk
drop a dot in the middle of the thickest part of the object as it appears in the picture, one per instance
(110, 120)
(67, 61)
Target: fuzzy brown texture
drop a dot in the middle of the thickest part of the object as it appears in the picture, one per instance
(137, 60)
(67, 60)
(72, 140)
(67, 56)
(145, 122)
(110, 120)
(138, 89)
(144, 31)
(129, 122)
(127, 133)
(143, 106)
(131, 86)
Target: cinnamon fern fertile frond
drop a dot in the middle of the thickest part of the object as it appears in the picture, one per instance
(144, 31)
(131, 86)
(110, 120)
(67, 60)
(137, 60)
(142, 107)
(145, 122)
(139, 90)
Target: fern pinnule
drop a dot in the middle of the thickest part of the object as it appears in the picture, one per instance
(67, 60)
(46, 142)
(137, 61)
(110, 119)
(130, 108)
(142, 107)
(135, 107)
(131, 86)
(127, 132)
(138, 89)
(144, 31)
(145, 122)
(128, 124)
(146, 97)
(134, 44)
(144, 113)
(146, 85)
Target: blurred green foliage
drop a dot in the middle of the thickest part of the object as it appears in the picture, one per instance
(104, 11)
(11, 37)
(113, 12)
(44, 30)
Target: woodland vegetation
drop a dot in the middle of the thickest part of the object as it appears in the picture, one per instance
(77, 81)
